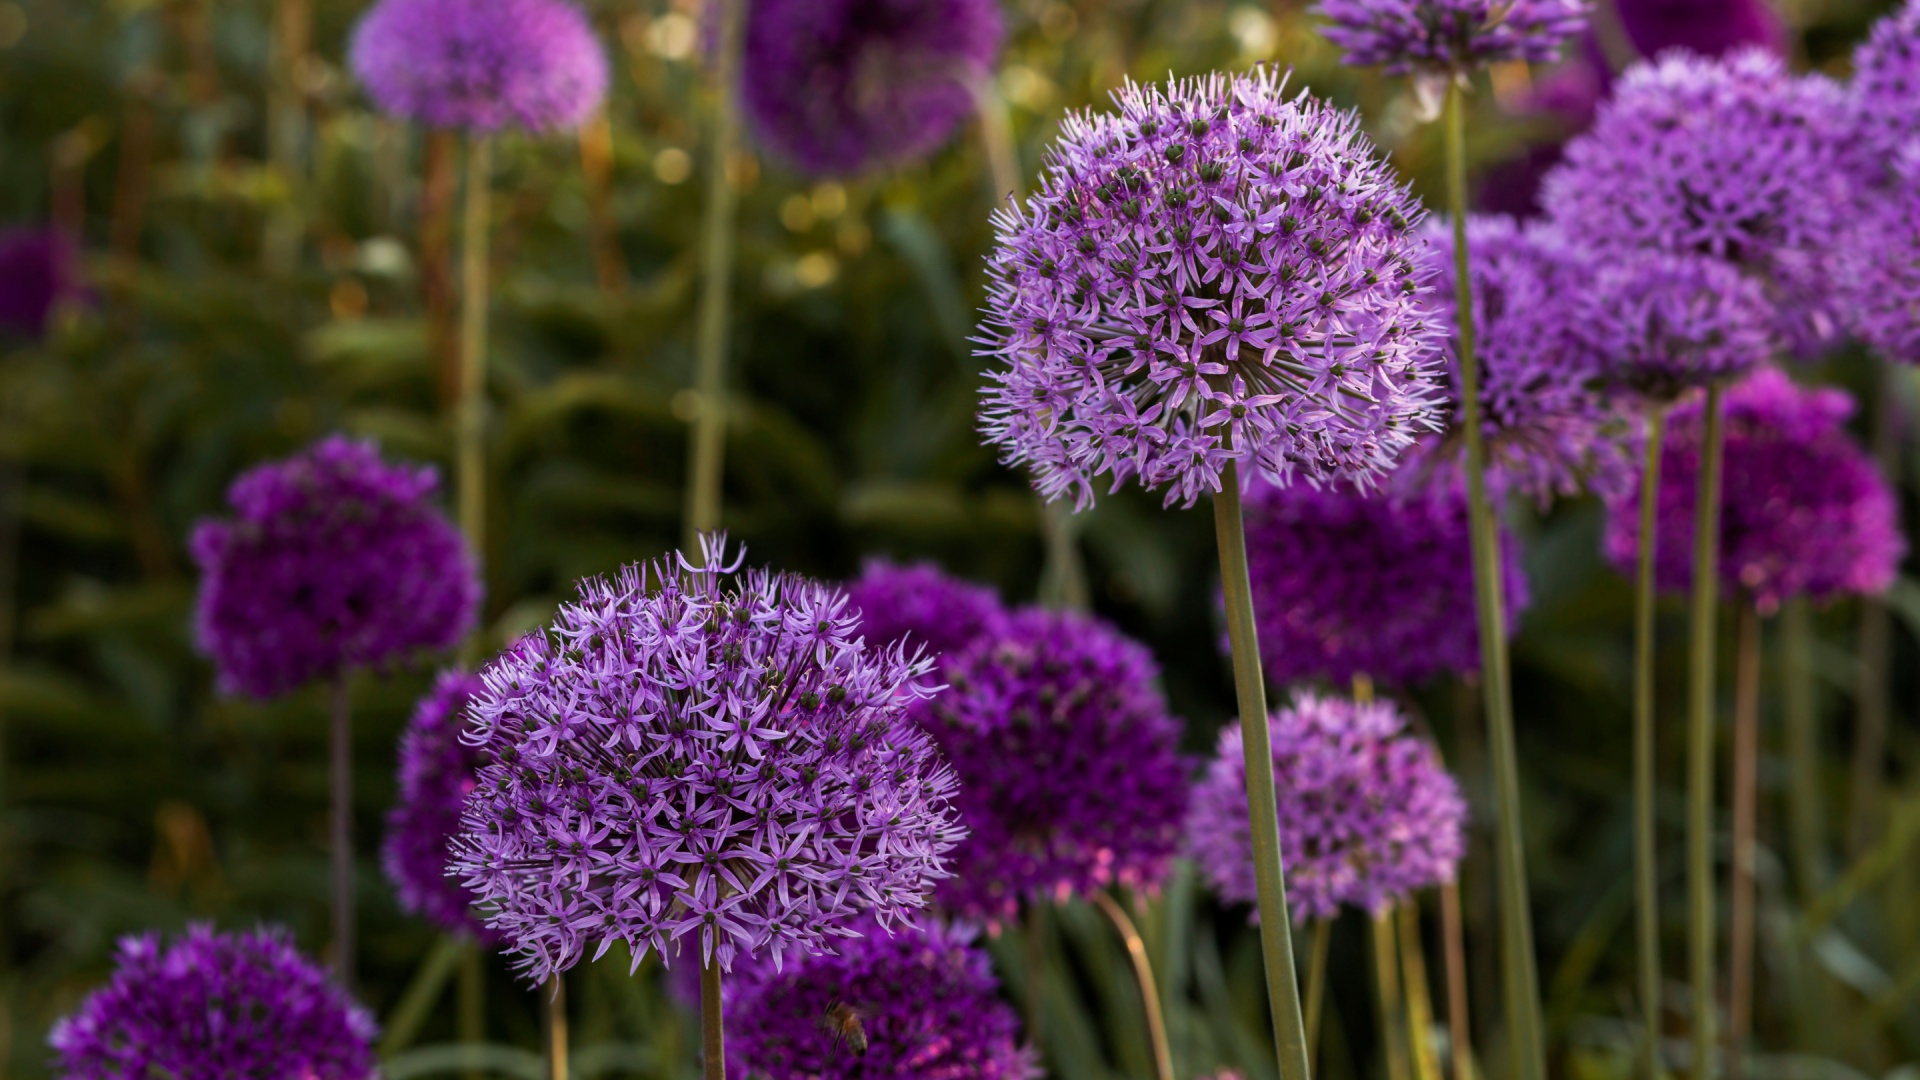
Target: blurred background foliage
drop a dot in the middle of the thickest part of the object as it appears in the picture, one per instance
(132, 796)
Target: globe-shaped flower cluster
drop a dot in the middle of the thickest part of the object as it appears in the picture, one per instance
(1804, 511)
(923, 607)
(1657, 324)
(215, 1006)
(698, 754)
(1878, 270)
(437, 773)
(913, 1004)
(1348, 583)
(840, 86)
(1452, 36)
(1705, 27)
(1885, 86)
(1367, 813)
(334, 560)
(481, 65)
(1217, 273)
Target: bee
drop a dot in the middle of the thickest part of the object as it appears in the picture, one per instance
(843, 1021)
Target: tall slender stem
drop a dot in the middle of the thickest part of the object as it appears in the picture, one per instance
(1746, 761)
(341, 829)
(1386, 997)
(1142, 974)
(713, 1040)
(1645, 862)
(470, 416)
(439, 185)
(1805, 811)
(1263, 820)
(596, 168)
(708, 439)
(1459, 1027)
(416, 1002)
(287, 131)
(472, 1003)
(1706, 582)
(557, 1063)
(1413, 966)
(1317, 983)
(1516, 920)
(1867, 792)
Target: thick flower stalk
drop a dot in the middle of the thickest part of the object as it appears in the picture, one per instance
(699, 757)
(908, 1004)
(436, 775)
(922, 607)
(1450, 36)
(215, 1006)
(843, 86)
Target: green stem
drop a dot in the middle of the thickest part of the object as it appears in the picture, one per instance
(1386, 996)
(470, 415)
(1706, 580)
(416, 1002)
(1142, 974)
(341, 829)
(713, 1041)
(708, 439)
(1645, 862)
(1459, 1033)
(1867, 791)
(1317, 983)
(1746, 767)
(1263, 821)
(557, 1051)
(1413, 968)
(1516, 920)
(1805, 810)
(472, 1002)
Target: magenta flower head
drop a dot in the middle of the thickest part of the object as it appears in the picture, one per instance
(1805, 511)
(1450, 36)
(437, 773)
(1546, 430)
(215, 1006)
(842, 86)
(38, 269)
(911, 1004)
(1705, 27)
(1217, 273)
(333, 560)
(1348, 583)
(481, 65)
(1879, 264)
(1070, 774)
(703, 755)
(1735, 158)
(923, 607)
(1368, 816)
(1658, 324)
(1886, 83)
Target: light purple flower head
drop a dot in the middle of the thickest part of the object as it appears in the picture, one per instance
(923, 607)
(333, 560)
(38, 269)
(1878, 270)
(1346, 583)
(1451, 36)
(1884, 90)
(1658, 324)
(437, 773)
(842, 86)
(1217, 273)
(1368, 815)
(703, 755)
(925, 1001)
(1736, 159)
(481, 65)
(1805, 513)
(212, 1007)
(1070, 774)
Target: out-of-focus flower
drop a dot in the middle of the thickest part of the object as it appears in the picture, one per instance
(1450, 36)
(39, 268)
(481, 65)
(1217, 273)
(1804, 510)
(334, 560)
(702, 755)
(1368, 815)
(437, 773)
(840, 86)
(1704, 27)
(1886, 84)
(1659, 324)
(1879, 263)
(216, 1006)
(923, 607)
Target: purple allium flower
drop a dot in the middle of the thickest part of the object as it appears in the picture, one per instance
(1735, 158)
(841, 86)
(213, 1007)
(335, 560)
(481, 65)
(1547, 432)
(1219, 273)
(1879, 263)
(1805, 512)
(437, 772)
(921, 606)
(925, 1002)
(1886, 84)
(1368, 815)
(38, 269)
(1070, 774)
(1453, 36)
(701, 754)
(1705, 27)
(1659, 324)
(1349, 584)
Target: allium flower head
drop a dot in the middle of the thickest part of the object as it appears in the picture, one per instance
(1704, 27)
(214, 1007)
(1347, 584)
(1735, 158)
(921, 606)
(1217, 273)
(925, 1003)
(1878, 270)
(1452, 36)
(1368, 815)
(1885, 87)
(1804, 512)
(701, 755)
(1070, 773)
(38, 269)
(334, 560)
(1659, 324)
(481, 65)
(840, 86)
(437, 773)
